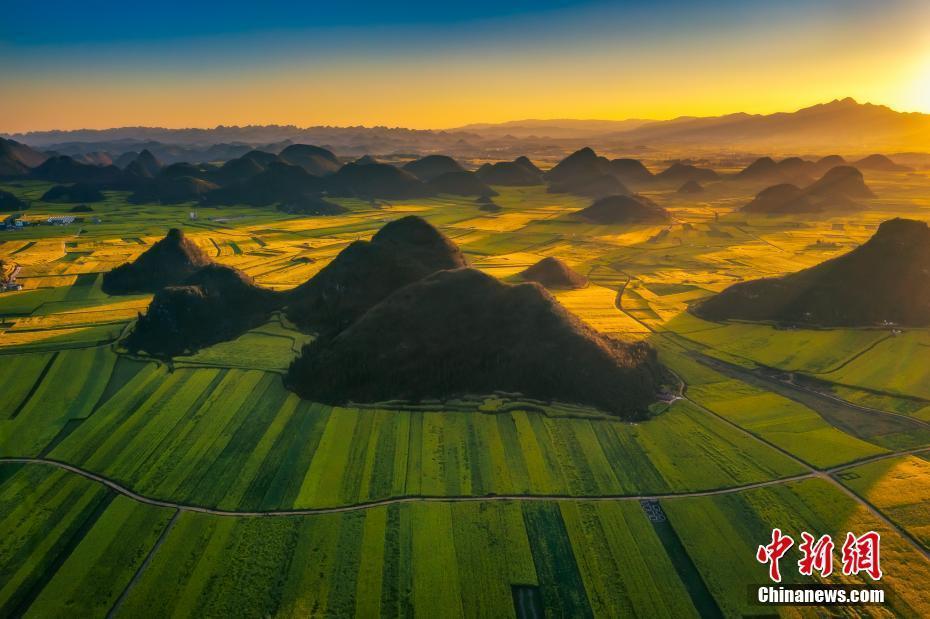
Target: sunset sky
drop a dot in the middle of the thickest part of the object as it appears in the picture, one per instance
(93, 64)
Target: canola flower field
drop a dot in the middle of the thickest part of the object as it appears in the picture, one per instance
(131, 487)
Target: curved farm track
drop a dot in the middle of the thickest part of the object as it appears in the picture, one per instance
(826, 474)
(117, 487)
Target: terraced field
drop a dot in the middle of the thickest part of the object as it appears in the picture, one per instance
(131, 487)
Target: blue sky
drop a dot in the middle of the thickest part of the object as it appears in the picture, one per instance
(41, 23)
(433, 64)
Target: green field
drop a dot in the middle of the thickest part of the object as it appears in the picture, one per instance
(786, 423)
(895, 366)
(233, 497)
(743, 521)
(379, 560)
(899, 488)
(814, 352)
(220, 437)
(270, 347)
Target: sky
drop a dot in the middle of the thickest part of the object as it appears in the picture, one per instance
(93, 64)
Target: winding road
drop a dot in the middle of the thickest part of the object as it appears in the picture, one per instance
(313, 511)
(825, 474)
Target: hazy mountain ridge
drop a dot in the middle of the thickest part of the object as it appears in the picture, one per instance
(554, 128)
(841, 124)
(838, 126)
(223, 143)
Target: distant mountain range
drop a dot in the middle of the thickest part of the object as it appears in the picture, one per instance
(558, 128)
(223, 143)
(16, 158)
(840, 126)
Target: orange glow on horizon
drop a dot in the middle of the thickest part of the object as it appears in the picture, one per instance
(688, 74)
(430, 107)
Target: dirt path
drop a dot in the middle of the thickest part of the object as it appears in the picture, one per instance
(123, 490)
(802, 393)
(827, 475)
(841, 401)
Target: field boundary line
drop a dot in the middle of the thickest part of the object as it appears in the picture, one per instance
(824, 474)
(843, 364)
(145, 564)
(827, 475)
(35, 385)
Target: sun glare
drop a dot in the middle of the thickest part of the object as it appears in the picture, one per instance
(917, 92)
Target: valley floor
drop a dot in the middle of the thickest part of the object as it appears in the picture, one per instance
(133, 488)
